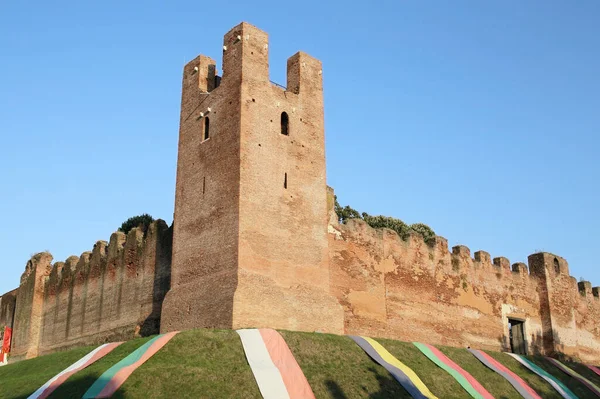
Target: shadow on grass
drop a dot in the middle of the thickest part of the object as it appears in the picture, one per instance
(70, 389)
(75, 389)
(388, 388)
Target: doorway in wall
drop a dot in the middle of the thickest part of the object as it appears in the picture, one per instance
(516, 334)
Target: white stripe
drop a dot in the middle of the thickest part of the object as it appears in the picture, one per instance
(267, 375)
(72, 367)
(549, 380)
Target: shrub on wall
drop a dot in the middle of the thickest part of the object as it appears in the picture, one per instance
(397, 225)
(346, 213)
(425, 231)
(141, 221)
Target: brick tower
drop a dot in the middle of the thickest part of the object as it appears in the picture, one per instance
(250, 225)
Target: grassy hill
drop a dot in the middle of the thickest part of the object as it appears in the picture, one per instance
(211, 364)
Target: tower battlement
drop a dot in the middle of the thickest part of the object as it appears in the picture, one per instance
(250, 229)
(256, 243)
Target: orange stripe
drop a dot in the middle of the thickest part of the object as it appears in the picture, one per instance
(122, 375)
(58, 382)
(291, 373)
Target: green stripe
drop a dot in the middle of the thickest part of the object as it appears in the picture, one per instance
(105, 378)
(577, 375)
(543, 372)
(457, 376)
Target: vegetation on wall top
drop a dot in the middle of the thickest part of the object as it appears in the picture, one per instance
(404, 230)
(142, 221)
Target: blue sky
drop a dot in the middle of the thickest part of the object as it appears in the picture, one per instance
(479, 118)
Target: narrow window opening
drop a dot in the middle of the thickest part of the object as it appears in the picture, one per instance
(285, 181)
(516, 335)
(206, 129)
(556, 266)
(285, 124)
(203, 185)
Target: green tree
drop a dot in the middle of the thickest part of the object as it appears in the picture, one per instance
(377, 222)
(426, 232)
(345, 213)
(141, 221)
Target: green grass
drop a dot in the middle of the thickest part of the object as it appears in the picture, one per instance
(577, 387)
(21, 379)
(194, 364)
(495, 384)
(212, 364)
(336, 367)
(543, 388)
(439, 382)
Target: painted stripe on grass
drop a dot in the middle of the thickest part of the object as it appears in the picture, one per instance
(556, 384)
(45, 390)
(466, 380)
(593, 368)
(114, 377)
(517, 382)
(572, 373)
(401, 372)
(267, 375)
(295, 382)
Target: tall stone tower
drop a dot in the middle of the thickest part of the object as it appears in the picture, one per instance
(250, 226)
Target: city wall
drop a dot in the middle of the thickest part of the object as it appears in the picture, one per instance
(114, 292)
(388, 287)
(412, 291)
(254, 247)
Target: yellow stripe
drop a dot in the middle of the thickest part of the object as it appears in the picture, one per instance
(388, 357)
(576, 374)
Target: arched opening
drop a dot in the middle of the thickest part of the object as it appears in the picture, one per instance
(206, 134)
(556, 266)
(285, 124)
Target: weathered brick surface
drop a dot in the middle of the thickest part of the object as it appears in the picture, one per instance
(255, 243)
(114, 292)
(410, 291)
(250, 241)
(30, 306)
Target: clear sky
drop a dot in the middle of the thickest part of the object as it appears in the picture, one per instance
(478, 118)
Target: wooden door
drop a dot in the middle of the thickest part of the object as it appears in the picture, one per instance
(517, 338)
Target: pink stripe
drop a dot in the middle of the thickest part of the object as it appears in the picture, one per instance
(501, 367)
(594, 369)
(121, 376)
(476, 385)
(291, 373)
(58, 382)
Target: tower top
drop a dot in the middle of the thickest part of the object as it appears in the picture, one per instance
(251, 198)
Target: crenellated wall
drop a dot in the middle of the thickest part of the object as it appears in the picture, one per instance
(114, 292)
(411, 291)
(257, 244)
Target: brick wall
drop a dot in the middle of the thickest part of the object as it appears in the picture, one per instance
(114, 292)
(411, 291)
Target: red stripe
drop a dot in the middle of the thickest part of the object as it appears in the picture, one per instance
(58, 382)
(594, 369)
(501, 367)
(474, 383)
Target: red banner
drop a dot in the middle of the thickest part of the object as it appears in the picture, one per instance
(6, 342)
